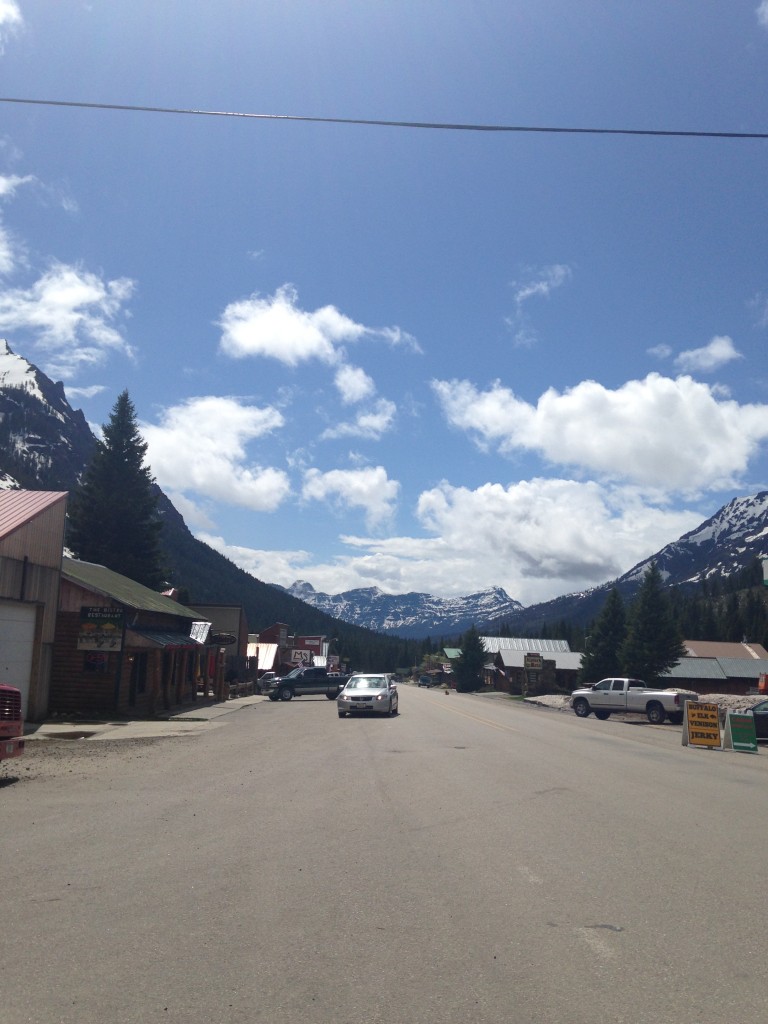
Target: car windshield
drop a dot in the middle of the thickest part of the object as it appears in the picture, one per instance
(367, 683)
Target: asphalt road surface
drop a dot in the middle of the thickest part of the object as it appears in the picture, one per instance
(470, 860)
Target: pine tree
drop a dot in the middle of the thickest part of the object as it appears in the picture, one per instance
(113, 517)
(601, 653)
(468, 667)
(653, 643)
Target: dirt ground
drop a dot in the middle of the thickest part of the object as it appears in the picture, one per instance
(55, 759)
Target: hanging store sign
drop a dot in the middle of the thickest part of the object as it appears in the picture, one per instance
(101, 629)
(223, 639)
(199, 631)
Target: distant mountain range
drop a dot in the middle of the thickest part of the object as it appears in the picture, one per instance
(725, 544)
(411, 615)
(45, 444)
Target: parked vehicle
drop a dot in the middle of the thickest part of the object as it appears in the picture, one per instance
(11, 722)
(425, 681)
(630, 696)
(760, 712)
(306, 679)
(375, 692)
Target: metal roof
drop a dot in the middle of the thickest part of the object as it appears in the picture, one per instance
(696, 668)
(494, 644)
(564, 660)
(17, 508)
(168, 639)
(718, 649)
(740, 667)
(111, 584)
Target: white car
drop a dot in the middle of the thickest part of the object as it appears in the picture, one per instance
(368, 691)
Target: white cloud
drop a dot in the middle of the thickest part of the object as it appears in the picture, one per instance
(7, 258)
(677, 435)
(538, 539)
(90, 392)
(69, 312)
(199, 448)
(353, 384)
(543, 284)
(271, 566)
(540, 286)
(660, 351)
(369, 489)
(9, 183)
(718, 352)
(762, 13)
(370, 423)
(10, 20)
(276, 328)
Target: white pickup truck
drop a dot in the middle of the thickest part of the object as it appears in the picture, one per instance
(630, 696)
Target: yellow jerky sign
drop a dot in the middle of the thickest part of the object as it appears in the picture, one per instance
(701, 725)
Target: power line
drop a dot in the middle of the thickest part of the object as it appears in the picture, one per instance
(434, 125)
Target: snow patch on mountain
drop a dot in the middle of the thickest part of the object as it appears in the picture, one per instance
(412, 614)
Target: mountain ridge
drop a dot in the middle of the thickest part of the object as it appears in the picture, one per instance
(412, 614)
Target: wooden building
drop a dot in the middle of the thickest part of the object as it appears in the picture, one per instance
(31, 544)
(123, 649)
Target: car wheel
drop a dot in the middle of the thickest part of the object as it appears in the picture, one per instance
(286, 693)
(342, 714)
(602, 715)
(656, 713)
(393, 708)
(331, 696)
(272, 696)
(581, 708)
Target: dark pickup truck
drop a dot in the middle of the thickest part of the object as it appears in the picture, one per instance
(309, 679)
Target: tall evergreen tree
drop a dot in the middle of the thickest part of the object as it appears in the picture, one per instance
(653, 643)
(113, 517)
(468, 667)
(601, 651)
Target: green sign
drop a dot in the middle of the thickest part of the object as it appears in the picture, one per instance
(740, 732)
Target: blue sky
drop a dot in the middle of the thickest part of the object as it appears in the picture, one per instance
(378, 356)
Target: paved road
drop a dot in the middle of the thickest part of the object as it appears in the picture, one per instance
(471, 860)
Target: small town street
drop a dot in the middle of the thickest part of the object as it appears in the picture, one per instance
(471, 859)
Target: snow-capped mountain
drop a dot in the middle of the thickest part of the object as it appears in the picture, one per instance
(410, 615)
(726, 543)
(41, 437)
(723, 545)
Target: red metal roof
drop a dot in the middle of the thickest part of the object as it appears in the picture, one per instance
(17, 508)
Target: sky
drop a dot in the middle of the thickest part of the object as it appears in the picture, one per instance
(412, 358)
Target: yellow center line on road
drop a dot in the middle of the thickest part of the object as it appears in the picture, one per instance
(482, 721)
